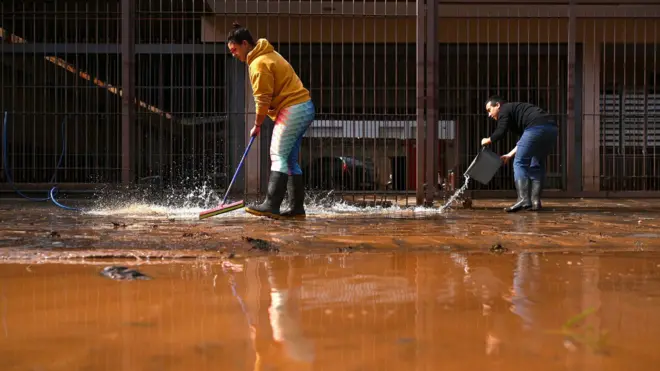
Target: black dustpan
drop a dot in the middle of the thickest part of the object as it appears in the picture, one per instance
(484, 166)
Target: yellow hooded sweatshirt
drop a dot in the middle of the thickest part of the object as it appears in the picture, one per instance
(275, 85)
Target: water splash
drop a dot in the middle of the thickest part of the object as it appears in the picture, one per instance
(185, 205)
(456, 194)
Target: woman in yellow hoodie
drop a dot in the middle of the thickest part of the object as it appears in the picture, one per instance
(279, 94)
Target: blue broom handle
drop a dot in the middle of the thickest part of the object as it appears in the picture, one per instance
(240, 164)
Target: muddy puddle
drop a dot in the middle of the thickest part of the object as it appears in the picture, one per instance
(387, 311)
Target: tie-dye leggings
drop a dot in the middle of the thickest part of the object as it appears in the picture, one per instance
(290, 126)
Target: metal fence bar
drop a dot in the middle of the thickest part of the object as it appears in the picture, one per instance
(432, 143)
(572, 181)
(421, 100)
(128, 90)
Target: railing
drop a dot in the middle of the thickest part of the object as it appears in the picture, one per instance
(144, 92)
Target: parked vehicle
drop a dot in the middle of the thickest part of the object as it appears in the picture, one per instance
(340, 173)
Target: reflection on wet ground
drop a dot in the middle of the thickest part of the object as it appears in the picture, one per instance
(34, 232)
(387, 311)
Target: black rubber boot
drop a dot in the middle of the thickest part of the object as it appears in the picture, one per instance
(524, 202)
(274, 196)
(296, 190)
(537, 187)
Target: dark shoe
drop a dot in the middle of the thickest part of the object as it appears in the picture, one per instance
(296, 190)
(537, 187)
(274, 196)
(524, 202)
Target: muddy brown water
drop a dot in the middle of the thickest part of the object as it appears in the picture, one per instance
(570, 289)
(386, 311)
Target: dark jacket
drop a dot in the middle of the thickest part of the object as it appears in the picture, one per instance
(517, 117)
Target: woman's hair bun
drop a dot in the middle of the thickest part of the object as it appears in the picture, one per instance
(236, 25)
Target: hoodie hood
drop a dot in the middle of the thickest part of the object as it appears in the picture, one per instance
(262, 47)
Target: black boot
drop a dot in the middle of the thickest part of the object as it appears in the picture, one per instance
(271, 205)
(296, 189)
(524, 202)
(537, 187)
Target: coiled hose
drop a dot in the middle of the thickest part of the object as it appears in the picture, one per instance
(10, 180)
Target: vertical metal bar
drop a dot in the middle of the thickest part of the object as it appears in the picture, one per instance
(141, 81)
(572, 182)
(419, 140)
(128, 88)
(618, 103)
(113, 68)
(365, 111)
(431, 101)
(24, 113)
(333, 90)
(343, 86)
(635, 107)
(655, 104)
(645, 133)
(554, 162)
(394, 112)
(624, 181)
(79, 58)
(91, 109)
(602, 102)
(161, 102)
(374, 122)
(5, 106)
(169, 57)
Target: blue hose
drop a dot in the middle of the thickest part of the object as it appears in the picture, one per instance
(53, 191)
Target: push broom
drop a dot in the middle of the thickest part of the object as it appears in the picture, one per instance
(232, 206)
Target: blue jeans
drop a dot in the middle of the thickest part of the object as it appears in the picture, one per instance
(533, 148)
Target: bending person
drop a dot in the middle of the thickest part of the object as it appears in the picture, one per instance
(538, 133)
(279, 94)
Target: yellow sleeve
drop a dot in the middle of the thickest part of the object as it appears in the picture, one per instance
(263, 82)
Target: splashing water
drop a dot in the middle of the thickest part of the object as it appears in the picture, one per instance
(186, 205)
(456, 194)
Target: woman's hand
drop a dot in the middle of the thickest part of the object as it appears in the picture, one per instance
(255, 130)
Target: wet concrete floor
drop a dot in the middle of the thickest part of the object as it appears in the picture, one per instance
(574, 288)
(386, 311)
(34, 232)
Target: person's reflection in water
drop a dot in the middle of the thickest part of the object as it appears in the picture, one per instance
(277, 335)
(521, 304)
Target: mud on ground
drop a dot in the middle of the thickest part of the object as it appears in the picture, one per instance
(41, 232)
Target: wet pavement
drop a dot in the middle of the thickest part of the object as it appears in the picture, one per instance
(387, 311)
(32, 232)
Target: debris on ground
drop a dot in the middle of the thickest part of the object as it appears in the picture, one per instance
(261, 245)
(467, 203)
(119, 273)
(196, 235)
(353, 248)
(498, 249)
(116, 225)
(55, 234)
(345, 249)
